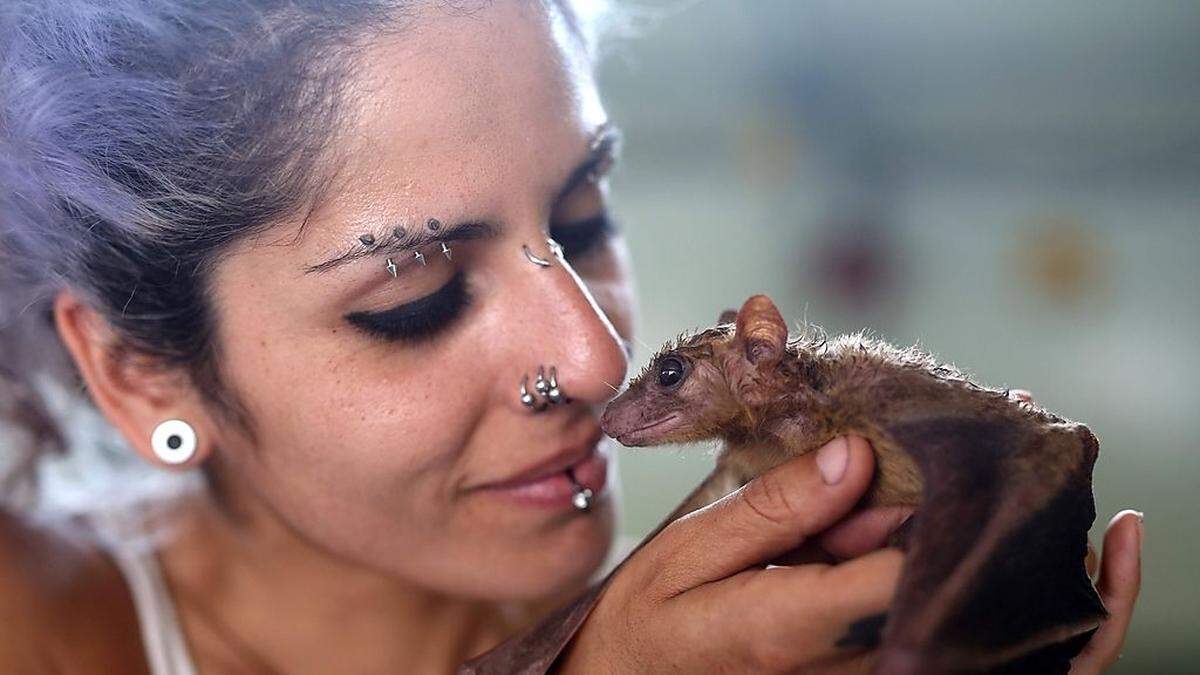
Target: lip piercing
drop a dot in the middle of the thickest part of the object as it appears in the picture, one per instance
(446, 250)
(391, 267)
(529, 255)
(582, 499)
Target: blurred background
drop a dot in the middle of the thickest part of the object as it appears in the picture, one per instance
(1015, 186)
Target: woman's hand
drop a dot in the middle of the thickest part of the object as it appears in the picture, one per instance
(1119, 583)
(697, 598)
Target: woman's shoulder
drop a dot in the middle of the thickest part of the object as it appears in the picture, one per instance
(63, 601)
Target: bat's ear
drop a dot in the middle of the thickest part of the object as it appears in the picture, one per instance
(728, 316)
(761, 330)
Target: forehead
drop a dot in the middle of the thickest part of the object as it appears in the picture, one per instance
(461, 108)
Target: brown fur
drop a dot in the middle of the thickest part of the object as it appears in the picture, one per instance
(994, 577)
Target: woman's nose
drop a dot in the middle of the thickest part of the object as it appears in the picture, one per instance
(571, 333)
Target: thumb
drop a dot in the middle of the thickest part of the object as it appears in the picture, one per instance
(768, 516)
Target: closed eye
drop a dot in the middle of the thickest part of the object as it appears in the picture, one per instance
(417, 320)
(582, 237)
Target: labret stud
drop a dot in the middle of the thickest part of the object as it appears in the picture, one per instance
(582, 499)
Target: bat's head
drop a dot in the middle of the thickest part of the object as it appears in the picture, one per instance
(715, 383)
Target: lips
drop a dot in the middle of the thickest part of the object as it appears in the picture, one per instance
(557, 463)
(554, 490)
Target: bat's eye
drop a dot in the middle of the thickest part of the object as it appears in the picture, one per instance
(670, 371)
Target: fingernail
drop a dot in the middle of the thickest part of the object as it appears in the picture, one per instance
(832, 459)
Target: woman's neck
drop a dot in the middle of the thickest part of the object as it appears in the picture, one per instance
(253, 595)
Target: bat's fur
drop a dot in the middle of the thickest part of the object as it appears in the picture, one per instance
(987, 469)
(994, 577)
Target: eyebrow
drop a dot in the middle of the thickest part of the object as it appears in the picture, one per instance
(602, 151)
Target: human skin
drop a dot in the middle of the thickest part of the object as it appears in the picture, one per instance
(347, 533)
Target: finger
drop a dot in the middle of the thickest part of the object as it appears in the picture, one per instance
(769, 515)
(864, 531)
(817, 611)
(1120, 581)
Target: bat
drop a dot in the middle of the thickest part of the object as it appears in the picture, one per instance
(994, 579)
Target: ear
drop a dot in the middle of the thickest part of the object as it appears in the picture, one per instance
(761, 330)
(728, 316)
(129, 390)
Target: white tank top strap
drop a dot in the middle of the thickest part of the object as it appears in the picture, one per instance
(166, 649)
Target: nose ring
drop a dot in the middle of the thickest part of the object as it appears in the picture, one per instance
(547, 389)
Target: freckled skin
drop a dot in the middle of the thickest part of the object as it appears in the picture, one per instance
(988, 471)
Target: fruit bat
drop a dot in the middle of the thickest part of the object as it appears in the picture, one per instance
(994, 578)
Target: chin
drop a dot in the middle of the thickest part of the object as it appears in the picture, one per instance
(558, 562)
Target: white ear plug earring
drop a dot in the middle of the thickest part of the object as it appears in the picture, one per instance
(174, 441)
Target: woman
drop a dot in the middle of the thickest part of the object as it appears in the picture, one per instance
(304, 250)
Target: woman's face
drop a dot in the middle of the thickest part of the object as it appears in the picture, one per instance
(386, 408)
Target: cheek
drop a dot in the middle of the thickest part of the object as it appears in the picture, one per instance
(344, 425)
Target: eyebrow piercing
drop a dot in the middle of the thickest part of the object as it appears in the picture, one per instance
(419, 256)
(446, 250)
(391, 268)
(529, 255)
(367, 239)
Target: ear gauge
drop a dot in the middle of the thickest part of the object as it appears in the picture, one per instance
(173, 441)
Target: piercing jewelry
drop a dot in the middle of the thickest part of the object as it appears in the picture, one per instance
(446, 250)
(174, 441)
(391, 267)
(419, 256)
(582, 499)
(555, 247)
(527, 398)
(529, 255)
(548, 389)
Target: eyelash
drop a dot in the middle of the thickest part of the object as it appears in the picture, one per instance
(417, 320)
(583, 237)
(425, 317)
